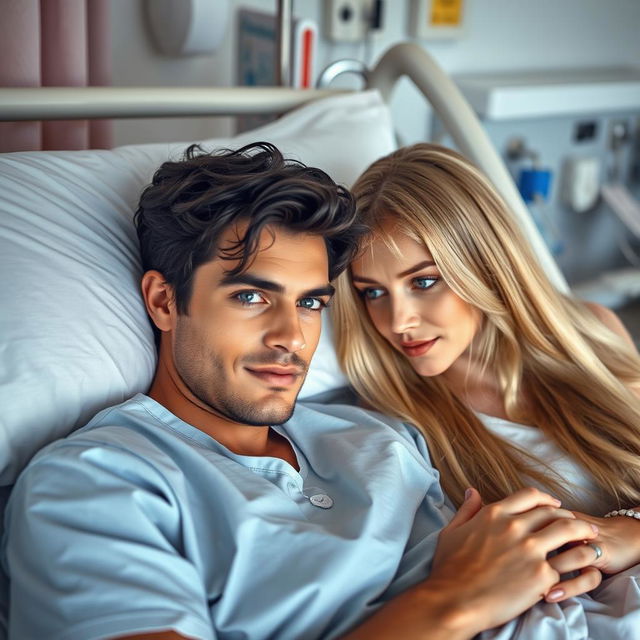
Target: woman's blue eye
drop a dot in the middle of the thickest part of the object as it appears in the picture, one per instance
(249, 297)
(425, 283)
(372, 294)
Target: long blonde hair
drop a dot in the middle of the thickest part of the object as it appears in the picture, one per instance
(578, 375)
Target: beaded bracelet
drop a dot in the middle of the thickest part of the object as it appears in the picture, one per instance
(623, 512)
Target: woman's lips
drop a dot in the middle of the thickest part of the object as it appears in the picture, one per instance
(418, 348)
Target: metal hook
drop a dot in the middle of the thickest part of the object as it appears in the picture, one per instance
(337, 68)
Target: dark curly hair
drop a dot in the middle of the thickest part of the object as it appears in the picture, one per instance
(189, 203)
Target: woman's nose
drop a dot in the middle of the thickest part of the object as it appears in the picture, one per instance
(404, 316)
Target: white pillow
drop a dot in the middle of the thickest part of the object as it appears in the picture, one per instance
(74, 336)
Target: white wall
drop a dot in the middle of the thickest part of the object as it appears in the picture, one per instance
(500, 35)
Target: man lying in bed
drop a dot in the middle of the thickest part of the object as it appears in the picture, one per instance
(209, 507)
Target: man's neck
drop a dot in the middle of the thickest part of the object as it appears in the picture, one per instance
(242, 439)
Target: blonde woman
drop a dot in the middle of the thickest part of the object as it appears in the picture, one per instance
(446, 320)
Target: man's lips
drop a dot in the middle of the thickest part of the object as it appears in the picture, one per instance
(277, 376)
(417, 347)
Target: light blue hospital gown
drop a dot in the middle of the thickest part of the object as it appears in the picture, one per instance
(140, 522)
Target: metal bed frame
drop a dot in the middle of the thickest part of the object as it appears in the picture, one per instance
(406, 59)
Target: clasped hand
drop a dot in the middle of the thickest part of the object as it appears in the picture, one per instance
(619, 540)
(498, 555)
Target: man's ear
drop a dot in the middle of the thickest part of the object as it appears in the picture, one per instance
(159, 300)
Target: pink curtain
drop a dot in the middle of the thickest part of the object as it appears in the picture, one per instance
(55, 43)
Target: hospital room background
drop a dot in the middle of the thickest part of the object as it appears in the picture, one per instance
(556, 85)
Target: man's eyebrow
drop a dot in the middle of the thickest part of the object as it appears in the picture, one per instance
(252, 281)
(402, 274)
(329, 290)
(229, 280)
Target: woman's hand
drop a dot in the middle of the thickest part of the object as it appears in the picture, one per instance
(496, 556)
(490, 566)
(619, 540)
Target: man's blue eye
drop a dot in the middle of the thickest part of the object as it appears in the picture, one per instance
(313, 304)
(425, 283)
(249, 297)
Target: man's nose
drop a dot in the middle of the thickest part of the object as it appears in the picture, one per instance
(285, 333)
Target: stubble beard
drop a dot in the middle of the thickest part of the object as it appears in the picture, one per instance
(211, 386)
(213, 391)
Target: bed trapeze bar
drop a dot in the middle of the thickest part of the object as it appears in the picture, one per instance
(464, 127)
(71, 103)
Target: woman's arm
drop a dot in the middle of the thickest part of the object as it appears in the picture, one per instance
(610, 320)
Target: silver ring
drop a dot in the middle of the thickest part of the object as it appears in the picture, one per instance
(596, 548)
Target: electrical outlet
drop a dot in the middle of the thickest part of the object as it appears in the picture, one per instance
(344, 21)
(373, 16)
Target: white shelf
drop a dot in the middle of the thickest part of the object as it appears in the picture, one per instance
(533, 94)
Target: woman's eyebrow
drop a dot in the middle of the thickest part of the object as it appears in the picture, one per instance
(402, 274)
(417, 267)
(357, 278)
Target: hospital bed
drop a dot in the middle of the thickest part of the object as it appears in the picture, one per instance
(74, 336)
